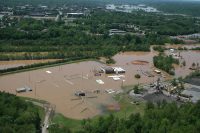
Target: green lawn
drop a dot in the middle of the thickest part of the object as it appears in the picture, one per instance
(72, 124)
(127, 108)
(40, 109)
(41, 113)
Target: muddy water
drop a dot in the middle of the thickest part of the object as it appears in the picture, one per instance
(188, 46)
(189, 57)
(59, 86)
(125, 60)
(17, 63)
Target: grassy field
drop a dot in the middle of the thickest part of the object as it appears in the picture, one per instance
(127, 108)
(40, 109)
(62, 121)
(41, 113)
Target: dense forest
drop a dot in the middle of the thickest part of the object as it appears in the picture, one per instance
(18, 116)
(152, 23)
(27, 38)
(160, 118)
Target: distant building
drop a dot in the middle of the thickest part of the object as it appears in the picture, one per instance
(6, 13)
(195, 36)
(75, 15)
(130, 8)
(43, 7)
(157, 71)
(23, 89)
(116, 32)
(118, 70)
(37, 14)
(113, 70)
(108, 70)
(1, 17)
(80, 93)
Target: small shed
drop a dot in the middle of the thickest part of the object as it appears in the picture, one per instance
(19, 90)
(23, 89)
(118, 70)
(80, 93)
(157, 71)
(108, 70)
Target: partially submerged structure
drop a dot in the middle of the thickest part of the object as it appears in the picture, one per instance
(80, 93)
(118, 70)
(113, 70)
(108, 70)
(23, 89)
(116, 32)
(157, 71)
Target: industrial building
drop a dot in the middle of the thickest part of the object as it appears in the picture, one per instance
(116, 32)
(23, 89)
(113, 70)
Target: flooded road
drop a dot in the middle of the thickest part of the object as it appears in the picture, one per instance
(188, 46)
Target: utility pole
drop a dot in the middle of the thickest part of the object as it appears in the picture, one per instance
(35, 88)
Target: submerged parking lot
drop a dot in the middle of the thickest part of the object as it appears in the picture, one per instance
(58, 85)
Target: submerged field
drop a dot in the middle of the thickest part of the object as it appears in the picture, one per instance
(58, 85)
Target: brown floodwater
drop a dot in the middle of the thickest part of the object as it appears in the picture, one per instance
(58, 85)
(17, 63)
(125, 60)
(188, 46)
(189, 57)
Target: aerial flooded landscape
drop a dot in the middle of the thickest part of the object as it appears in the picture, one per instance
(58, 85)
(96, 66)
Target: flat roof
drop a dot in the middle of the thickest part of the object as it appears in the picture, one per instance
(118, 69)
(73, 13)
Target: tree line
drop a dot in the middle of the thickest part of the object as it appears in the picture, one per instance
(158, 118)
(89, 35)
(165, 63)
(3, 71)
(18, 116)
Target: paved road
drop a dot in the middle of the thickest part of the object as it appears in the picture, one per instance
(48, 110)
(46, 121)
